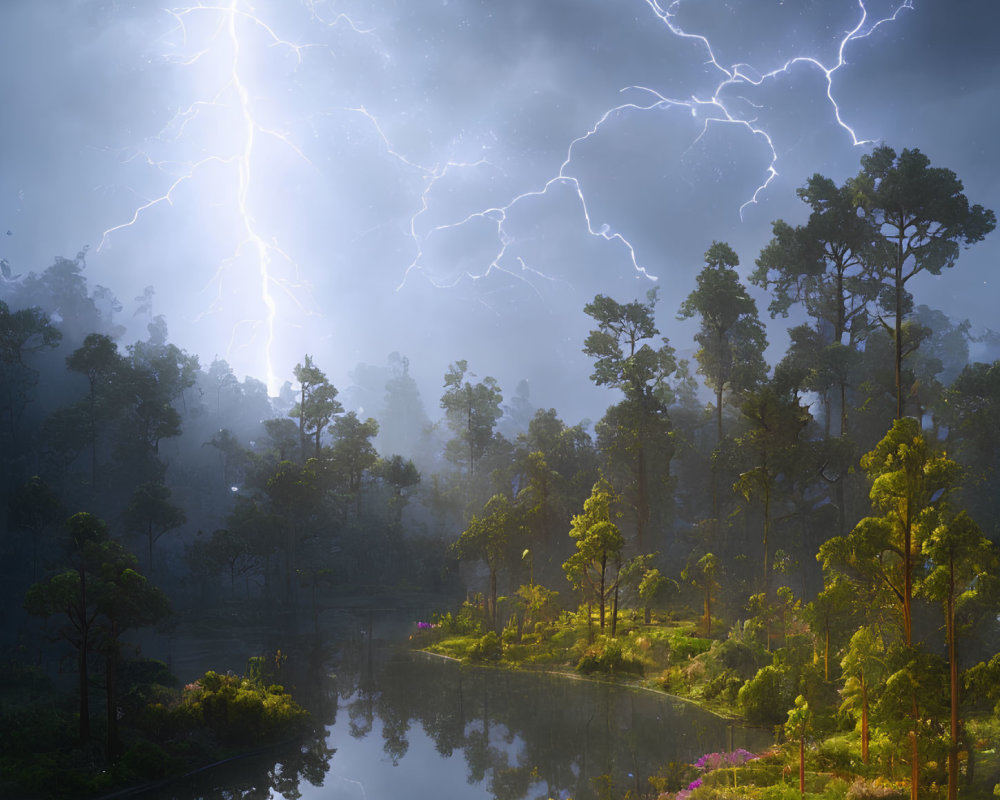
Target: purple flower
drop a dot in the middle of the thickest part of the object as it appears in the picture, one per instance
(424, 625)
(694, 784)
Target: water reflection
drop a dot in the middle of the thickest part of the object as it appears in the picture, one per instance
(398, 724)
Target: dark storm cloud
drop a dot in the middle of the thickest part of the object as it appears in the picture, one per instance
(93, 88)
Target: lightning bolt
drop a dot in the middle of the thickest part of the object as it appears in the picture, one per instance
(226, 25)
(715, 108)
(229, 51)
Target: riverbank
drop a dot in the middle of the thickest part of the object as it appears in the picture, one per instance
(817, 749)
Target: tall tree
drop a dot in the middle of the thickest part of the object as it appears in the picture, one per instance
(963, 561)
(317, 404)
(826, 265)
(594, 567)
(70, 595)
(125, 600)
(924, 217)
(777, 419)
(99, 361)
(972, 415)
(488, 538)
(908, 478)
(151, 513)
(731, 338)
(636, 432)
(33, 508)
(353, 454)
(472, 411)
(22, 333)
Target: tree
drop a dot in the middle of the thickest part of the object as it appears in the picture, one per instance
(234, 552)
(972, 415)
(81, 594)
(233, 455)
(864, 666)
(908, 478)
(796, 727)
(777, 419)
(400, 474)
(963, 561)
(126, 600)
(702, 574)
(99, 361)
(827, 266)
(731, 338)
(317, 404)
(33, 508)
(636, 432)
(22, 333)
(487, 538)
(599, 546)
(353, 453)
(151, 513)
(924, 216)
(472, 411)
(284, 437)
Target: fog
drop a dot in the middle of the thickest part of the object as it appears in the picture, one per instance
(455, 179)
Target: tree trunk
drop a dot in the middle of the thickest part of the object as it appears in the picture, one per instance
(492, 610)
(708, 606)
(802, 765)
(864, 719)
(643, 500)
(111, 685)
(898, 327)
(601, 599)
(953, 678)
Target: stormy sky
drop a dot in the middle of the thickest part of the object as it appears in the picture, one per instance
(455, 179)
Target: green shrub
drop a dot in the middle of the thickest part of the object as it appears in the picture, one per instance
(766, 697)
(742, 657)
(874, 790)
(837, 754)
(684, 647)
(607, 656)
(467, 622)
(238, 710)
(488, 648)
(147, 760)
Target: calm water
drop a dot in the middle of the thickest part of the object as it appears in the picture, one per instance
(395, 724)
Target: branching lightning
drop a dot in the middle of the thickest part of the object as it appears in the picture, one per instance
(713, 109)
(234, 52)
(233, 94)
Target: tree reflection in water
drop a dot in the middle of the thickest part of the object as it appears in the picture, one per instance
(418, 726)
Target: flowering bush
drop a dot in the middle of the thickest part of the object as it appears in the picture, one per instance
(711, 761)
(238, 710)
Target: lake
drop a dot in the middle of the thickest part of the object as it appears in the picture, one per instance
(398, 724)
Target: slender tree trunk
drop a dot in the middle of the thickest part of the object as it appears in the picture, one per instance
(864, 719)
(953, 677)
(493, 601)
(82, 661)
(708, 605)
(826, 652)
(614, 611)
(898, 326)
(111, 685)
(643, 500)
(802, 764)
(601, 599)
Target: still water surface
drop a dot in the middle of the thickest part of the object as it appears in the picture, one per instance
(398, 724)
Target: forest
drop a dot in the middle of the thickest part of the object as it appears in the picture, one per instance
(838, 508)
